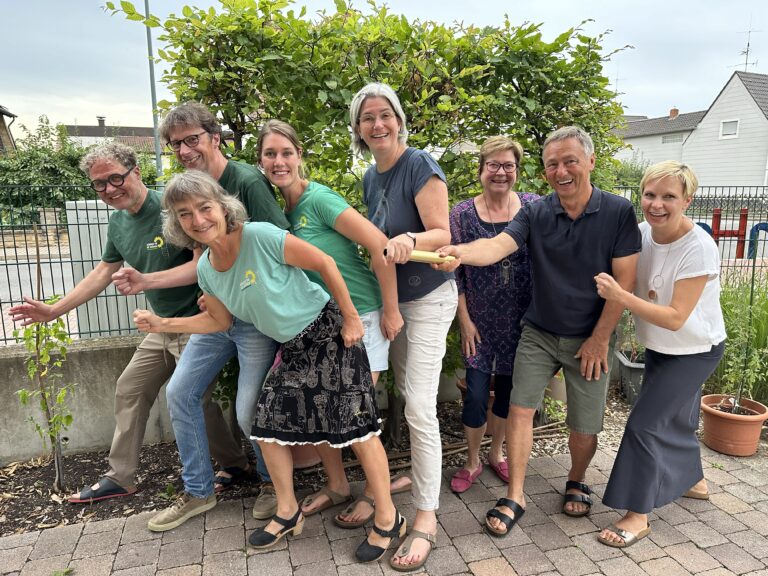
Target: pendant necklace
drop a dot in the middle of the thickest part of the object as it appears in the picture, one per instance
(506, 264)
(658, 281)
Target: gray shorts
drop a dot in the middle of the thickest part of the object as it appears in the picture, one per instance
(539, 355)
(376, 344)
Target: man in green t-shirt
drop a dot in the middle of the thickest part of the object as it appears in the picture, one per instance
(167, 275)
(194, 135)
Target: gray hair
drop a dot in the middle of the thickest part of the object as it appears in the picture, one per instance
(189, 114)
(199, 185)
(373, 90)
(567, 132)
(111, 151)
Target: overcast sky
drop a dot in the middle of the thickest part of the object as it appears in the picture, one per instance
(72, 62)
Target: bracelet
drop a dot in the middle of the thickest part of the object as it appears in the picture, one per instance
(412, 236)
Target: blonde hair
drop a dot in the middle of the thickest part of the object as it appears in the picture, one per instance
(496, 144)
(197, 184)
(672, 169)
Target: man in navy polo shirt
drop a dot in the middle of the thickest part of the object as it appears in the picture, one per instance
(573, 234)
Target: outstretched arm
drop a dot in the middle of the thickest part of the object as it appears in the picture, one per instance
(216, 318)
(481, 252)
(94, 283)
(303, 255)
(594, 350)
(354, 226)
(130, 281)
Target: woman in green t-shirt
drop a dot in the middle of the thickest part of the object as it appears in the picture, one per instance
(323, 218)
(321, 392)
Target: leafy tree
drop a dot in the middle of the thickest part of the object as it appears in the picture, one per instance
(255, 60)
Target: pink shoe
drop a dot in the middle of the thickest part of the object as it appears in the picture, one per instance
(501, 469)
(463, 479)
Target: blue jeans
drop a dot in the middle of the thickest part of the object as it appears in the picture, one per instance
(203, 358)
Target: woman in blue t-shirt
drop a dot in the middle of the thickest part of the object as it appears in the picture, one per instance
(407, 199)
(321, 392)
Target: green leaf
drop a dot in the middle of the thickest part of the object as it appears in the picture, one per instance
(127, 7)
(187, 11)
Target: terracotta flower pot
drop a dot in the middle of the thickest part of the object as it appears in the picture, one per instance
(732, 434)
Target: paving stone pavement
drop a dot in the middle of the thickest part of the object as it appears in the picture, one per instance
(725, 535)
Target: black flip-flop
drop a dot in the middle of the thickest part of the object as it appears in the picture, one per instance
(104, 489)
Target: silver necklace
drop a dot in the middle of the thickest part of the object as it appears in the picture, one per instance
(506, 264)
(657, 281)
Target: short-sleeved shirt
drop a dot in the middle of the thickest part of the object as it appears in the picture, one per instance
(660, 266)
(313, 220)
(261, 288)
(567, 254)
(251, 187)
(497, 296)
(391, 200)
(138, 240)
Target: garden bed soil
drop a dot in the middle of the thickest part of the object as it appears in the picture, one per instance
(27, 502)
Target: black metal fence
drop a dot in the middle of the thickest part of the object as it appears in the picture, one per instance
(71, 230)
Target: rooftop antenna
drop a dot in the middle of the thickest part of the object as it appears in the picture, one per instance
(616, 81)
(747, 50)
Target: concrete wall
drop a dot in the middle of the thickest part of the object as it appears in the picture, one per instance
(94, 365)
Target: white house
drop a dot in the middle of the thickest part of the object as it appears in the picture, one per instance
(727, 144)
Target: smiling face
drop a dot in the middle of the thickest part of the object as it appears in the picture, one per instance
(663, 203)
(567, 167)
(203, 156)
(202, 219)
(129, 196)
(499, 182)
(281, 160)
(379, 126)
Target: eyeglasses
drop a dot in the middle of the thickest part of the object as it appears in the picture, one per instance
(114, 179)
(495, 166)
(191, 141)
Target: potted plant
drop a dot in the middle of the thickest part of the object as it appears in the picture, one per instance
(630, 355)
(732, 419)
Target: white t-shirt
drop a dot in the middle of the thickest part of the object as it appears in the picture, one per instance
(660, 266)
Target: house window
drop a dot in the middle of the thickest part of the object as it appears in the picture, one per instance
(729, 129)
(671, 138)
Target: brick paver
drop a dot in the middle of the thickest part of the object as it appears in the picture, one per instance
(723, 536)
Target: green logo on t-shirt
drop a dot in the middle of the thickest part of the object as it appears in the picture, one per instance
(303, 221)
(250, 279)
(156, 244)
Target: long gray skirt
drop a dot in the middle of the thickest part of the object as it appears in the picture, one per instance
(659, 457)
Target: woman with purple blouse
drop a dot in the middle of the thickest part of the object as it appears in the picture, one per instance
(492, 300)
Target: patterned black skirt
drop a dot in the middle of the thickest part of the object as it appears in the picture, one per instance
(321, 391)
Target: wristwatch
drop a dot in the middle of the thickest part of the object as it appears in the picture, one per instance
(412, 236)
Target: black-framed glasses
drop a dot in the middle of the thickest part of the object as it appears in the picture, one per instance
(191, 141)
(114, 179)
(495, 166)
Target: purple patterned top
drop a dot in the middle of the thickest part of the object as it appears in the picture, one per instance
(497, 295)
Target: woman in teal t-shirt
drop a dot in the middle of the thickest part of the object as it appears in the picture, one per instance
(322, 391)
(323, 218)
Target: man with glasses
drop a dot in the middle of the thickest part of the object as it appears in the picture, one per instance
(169, 278)
(194, 135)
(572, 235)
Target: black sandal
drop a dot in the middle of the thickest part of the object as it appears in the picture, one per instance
(262, 539)
(367, 552)
(104, 489)
(236, 475)
(581, 498)
(508, 522)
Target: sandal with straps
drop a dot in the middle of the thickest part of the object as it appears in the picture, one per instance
(341, 523)
(367, 552)
(405, 549)
(332, 499)
(262, 539)
(508, 522)
(580, 498)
